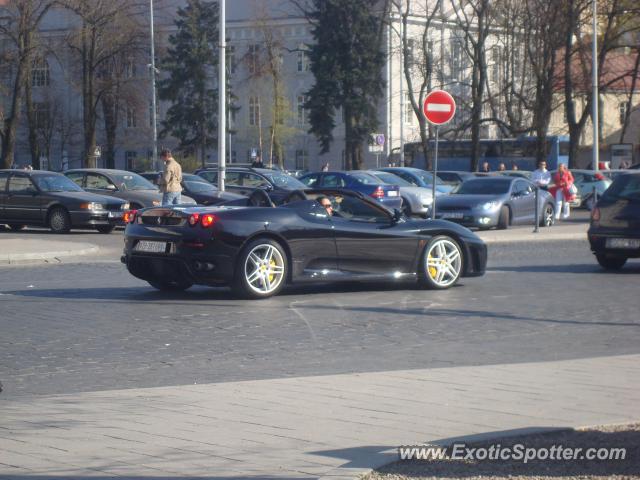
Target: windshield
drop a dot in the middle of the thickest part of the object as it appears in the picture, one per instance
(365, 178)
(133, 181)
(392, 179)
(283, 180)
(626, 187)
(427, 178)
(481, 186)
(55, 183)
(199, 187)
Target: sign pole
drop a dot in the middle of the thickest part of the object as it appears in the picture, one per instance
(435, 171)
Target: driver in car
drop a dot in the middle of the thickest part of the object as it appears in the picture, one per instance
(325, 202)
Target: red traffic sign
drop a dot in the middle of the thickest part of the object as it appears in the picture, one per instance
(439, 107)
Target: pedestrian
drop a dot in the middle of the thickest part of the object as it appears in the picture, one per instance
(502, 167)
(514, 166)
(257, 163)
(563, 191)
(485, 167)
(541, 176)
(171, 179)
(325, 167)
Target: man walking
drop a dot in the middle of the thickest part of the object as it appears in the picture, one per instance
(170, 181)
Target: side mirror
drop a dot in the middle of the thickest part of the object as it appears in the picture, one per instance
(111, 187)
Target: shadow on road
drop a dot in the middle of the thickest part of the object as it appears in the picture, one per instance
(593, 268)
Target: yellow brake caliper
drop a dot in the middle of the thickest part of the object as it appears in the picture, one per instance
(272, 264)
(433, 271)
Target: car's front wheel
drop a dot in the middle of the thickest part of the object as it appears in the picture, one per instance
(59, 220)
(441, 263)
(262, 269)
(503, 219)
(548, 216)
(610, 263)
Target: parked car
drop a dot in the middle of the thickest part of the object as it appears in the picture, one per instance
(48, 199)
(614, 233)
(279, 186)
(129, 186)
(516, 173)
(196, 187)
(387, 195)
(415, 200)
(419, 178)
(585, 181)
(495, 201)
(258, 250)
(454, 178)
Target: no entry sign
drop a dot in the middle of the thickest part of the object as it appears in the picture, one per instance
(439, 107)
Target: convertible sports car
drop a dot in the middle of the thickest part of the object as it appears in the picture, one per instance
(257, 250)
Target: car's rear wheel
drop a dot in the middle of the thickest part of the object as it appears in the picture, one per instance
(610, 263)
(170, 286)
(503, 219)
(548, 216)
(262, 269)
(106, 229)
(441, 263)
(59, 220)
(16, 227)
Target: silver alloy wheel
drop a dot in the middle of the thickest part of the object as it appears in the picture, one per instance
(549, 218)
(58, 221)
(443, 262)
(264, 269)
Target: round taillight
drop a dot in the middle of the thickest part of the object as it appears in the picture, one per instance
(207, 220)
(193, 219)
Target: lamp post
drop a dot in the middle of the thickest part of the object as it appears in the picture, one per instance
(595, 94)
(222, 97)
(154, 122)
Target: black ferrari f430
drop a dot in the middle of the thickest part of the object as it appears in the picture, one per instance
(331, 235)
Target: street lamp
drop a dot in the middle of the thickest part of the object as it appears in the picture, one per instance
(222, 97)
(154, 122)
(594, 93)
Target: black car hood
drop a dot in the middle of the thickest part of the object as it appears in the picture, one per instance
(87, 197)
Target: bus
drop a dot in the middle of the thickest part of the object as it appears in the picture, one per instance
(521, 151)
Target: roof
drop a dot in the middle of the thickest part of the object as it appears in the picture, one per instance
(616, 75)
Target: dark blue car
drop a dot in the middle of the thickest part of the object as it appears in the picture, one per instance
(419, 178)
(387, 195)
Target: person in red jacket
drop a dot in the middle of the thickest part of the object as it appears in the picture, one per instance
(562, 191)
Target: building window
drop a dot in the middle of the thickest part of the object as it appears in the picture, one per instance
(622, 110)
(254, 110)
(302, 112)
(408, 110)
(456, 60)
(254, 59)
(41, 113)
(130, 160)
(231, 59)
(40, 73)
(496, 59)
(302, 160)
(132, 121)
(303, 59)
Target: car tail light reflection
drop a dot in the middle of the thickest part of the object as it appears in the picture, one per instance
(599, 176)
(378, 193)
(205, 219)
(129, 216)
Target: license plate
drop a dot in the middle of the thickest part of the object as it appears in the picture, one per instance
(392, 193)
(115, 214)
(152, 247)
(625, 243)
(452, 215)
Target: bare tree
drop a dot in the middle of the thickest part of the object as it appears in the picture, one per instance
(108, 29)
(475, 19)
(418, 65)
(19, 22)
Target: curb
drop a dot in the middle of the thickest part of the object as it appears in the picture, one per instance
(535, 237)
(45, 257)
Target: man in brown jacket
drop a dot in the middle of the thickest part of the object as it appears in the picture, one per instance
(170, 181)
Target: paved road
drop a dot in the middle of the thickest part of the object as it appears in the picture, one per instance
(85, 327)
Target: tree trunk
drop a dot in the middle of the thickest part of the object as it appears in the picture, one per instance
(11, 122)
(109, 112)
(34, 148)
